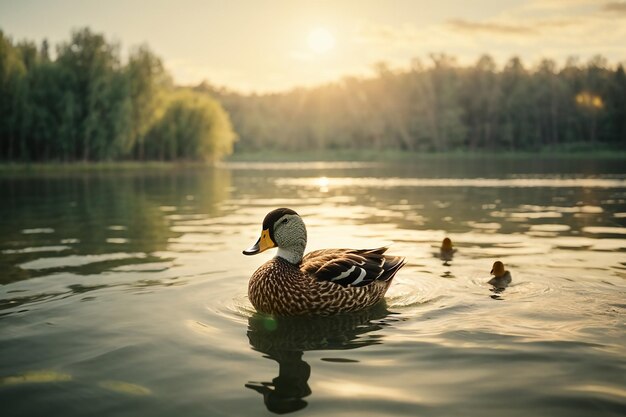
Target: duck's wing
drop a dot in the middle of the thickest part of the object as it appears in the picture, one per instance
(356, 267)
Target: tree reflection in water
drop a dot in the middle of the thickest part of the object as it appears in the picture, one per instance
(285, 340)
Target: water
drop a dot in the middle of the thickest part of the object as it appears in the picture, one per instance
(124, 293)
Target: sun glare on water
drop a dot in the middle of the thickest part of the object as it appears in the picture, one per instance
(320, 40)
(322, 183)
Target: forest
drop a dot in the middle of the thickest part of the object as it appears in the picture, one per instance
(440, 106)
(84, 104)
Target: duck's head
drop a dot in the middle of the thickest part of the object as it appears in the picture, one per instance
(282, 228)
(446, 244)
(497, 269)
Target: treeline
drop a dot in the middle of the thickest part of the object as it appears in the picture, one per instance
(86, 105)
(442, 107)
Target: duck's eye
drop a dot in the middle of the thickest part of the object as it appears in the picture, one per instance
(284, 221)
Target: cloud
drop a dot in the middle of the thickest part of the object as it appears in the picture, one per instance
(558, 23)
(388, 34)
(490, 27)
(506, 28)
(616, 7)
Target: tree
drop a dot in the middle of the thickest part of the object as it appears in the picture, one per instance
(479, 97)
(148, 82)
(12, 73)
(92, 67)
(193, 127)
(616, 108)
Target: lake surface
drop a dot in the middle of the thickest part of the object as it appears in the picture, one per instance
(125, 293)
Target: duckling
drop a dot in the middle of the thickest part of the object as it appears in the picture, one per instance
(446, 252)
(324, 282)
(502, 277)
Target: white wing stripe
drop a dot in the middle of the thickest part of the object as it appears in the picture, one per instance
(360, 278)
(344, 274)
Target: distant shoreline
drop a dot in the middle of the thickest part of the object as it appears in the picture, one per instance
(34, 167)
(321, 156)
(348, 155)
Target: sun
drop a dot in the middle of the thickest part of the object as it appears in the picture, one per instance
(320, 40)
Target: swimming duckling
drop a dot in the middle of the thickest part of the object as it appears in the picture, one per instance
(446, 252)
(324, 282)
(502, 277)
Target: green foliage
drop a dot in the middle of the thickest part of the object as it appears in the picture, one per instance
(440, 106)
(12, 90)
(193, 127)
(87, 106)
(148, 83)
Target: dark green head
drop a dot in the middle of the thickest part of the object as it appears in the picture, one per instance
(274, 220)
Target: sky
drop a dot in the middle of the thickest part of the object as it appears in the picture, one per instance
(275, 45)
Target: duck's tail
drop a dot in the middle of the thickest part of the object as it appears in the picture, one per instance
(391, 266)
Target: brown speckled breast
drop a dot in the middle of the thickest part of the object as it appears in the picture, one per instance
(281, 288)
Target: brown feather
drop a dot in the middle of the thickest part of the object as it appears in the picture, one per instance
(281, 288)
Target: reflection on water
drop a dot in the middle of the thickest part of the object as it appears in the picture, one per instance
(498, 287)
(103, 221)
(285, 340)
(286, 392)
(116, 287)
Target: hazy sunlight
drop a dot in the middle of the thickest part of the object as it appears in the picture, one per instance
(320, 40)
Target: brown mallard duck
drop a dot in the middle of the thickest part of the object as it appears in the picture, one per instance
(446, 251)
(502, 277)
(324, 282)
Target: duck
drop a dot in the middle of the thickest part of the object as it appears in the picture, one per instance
(321, 283)
(446, 252)
(502, 277)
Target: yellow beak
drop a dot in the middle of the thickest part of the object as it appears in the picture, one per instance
(264, 243)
